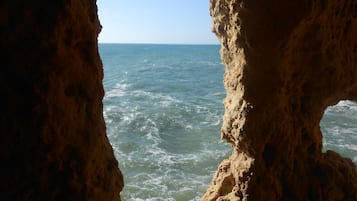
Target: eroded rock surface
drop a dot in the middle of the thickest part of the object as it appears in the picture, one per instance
(286, 61)
(53, 144)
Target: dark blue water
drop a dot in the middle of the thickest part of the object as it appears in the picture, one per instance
(163, 110)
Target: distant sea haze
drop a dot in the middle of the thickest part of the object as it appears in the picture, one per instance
(163, 111)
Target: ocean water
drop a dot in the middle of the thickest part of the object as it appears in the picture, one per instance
(163, 111)
(339, 128)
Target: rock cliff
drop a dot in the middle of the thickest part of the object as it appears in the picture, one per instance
(286, 61)
(53, 144)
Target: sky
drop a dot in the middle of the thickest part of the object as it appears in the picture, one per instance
(155, 21)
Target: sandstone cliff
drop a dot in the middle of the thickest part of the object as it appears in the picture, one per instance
(286, 61)
(53, 144)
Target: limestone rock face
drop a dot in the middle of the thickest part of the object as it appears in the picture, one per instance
(53, 144)
(286, 61)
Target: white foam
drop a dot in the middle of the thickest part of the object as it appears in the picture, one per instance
(163, 172)
(344, 103)
(130, 117)
(189, 126)
(342, 106)
(355, 159)
(152, 199)
(158, 98)
(351, 147)
(118, 91)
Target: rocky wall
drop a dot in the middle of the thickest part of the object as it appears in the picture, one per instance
(286, 62)
(53, 144)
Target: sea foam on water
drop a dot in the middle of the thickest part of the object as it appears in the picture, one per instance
(163, 112)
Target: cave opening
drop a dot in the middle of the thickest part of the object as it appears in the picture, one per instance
(339, 129)
(54, 144)
(163, 112)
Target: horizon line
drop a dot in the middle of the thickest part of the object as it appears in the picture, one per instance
(153, 43)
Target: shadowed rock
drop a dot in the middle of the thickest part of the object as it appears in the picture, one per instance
(53, 142)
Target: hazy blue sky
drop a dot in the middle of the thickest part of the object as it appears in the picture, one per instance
(155, 21)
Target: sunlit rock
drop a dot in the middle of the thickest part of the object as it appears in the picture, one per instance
(286, 61)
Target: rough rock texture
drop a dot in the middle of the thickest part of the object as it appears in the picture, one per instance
(286, 61)
(53, 144)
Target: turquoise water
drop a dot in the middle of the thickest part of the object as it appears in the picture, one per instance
(339, 128)
(163, 111)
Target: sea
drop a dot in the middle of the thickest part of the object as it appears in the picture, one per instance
(163, 112)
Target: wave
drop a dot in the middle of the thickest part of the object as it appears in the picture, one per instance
(167, 174)
(118, 91)
(342, 106)
(339, 128)
(170, 141)
(163, 113)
